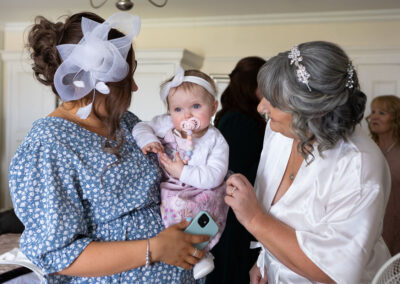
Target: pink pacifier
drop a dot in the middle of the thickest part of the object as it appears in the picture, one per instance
(188, 126)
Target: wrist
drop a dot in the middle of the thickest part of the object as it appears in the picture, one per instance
(155, 249)
(256, 222)
(178, 173)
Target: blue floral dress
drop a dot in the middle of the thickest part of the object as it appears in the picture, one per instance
(66, 196)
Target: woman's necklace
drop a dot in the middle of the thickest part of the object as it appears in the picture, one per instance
(390, 147)
(292, 173)
(293, 167)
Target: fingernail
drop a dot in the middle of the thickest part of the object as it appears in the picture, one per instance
(189, 219)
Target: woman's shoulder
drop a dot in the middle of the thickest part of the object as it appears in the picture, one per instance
(47, 135)
(58, 134)
(359, 143)
(393, 159)
(359, 159)
(357, 149)
(50, 130)
(130, 120)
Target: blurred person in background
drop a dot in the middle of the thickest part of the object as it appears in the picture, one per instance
(384, 125)
(243, 128)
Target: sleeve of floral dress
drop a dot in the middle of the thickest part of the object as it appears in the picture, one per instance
(48, 200)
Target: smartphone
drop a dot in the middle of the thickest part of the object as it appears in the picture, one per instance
(202, 224)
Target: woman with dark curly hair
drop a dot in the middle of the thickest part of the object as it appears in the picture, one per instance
(243, 128)
(86, 194)
(322, 185)
(384, 126)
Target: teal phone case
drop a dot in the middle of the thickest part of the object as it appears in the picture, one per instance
(210, 228)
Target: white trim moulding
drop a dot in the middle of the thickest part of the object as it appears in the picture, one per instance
(256, 20)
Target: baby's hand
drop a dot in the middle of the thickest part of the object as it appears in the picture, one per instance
(154, 147)
(174, 168)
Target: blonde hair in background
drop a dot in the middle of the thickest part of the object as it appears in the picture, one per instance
(390, 104)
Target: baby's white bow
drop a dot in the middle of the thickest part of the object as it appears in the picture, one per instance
(176, 81)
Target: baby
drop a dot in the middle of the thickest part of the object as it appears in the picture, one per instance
(193, 154)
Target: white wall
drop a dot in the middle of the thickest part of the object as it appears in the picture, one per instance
(371, 39)
(222, 41)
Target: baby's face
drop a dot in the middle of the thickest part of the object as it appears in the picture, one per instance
(185, 104)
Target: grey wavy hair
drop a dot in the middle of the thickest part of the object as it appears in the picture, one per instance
(326, 114)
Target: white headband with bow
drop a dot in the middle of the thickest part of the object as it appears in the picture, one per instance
(179, 78)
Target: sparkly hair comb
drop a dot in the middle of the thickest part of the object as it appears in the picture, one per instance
(301, 72)
(350, 74)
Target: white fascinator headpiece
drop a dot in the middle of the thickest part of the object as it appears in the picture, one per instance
(95, 60)
(179, 78)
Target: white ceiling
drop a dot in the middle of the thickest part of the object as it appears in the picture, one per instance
(26, 10)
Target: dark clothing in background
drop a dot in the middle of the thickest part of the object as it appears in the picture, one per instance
(9, 223)
(233, 256)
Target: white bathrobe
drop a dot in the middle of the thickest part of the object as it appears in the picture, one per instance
(335, 204)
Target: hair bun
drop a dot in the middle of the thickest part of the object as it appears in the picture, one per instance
(43, 38)
(357, 101)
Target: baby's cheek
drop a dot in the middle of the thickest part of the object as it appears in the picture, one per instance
(176, 120)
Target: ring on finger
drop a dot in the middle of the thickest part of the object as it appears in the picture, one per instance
(195, 252)
(233, 190)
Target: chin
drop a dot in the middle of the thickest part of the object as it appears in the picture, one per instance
(276, 129)
(375, 130)
(272, 126)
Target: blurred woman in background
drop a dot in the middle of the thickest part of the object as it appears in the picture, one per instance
(384, 125)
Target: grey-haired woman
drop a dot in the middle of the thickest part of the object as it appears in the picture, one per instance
(322, 185)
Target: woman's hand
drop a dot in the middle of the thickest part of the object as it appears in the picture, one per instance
(241, 197)
(255, 275)
(175, 247)
(154, 147)
(174, 168)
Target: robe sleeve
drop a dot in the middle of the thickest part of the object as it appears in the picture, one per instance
(48, 201)
(344, 239)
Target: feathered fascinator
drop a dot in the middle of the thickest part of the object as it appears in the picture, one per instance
(95, 60)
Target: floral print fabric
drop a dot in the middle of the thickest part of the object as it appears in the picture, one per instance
(67, 196)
